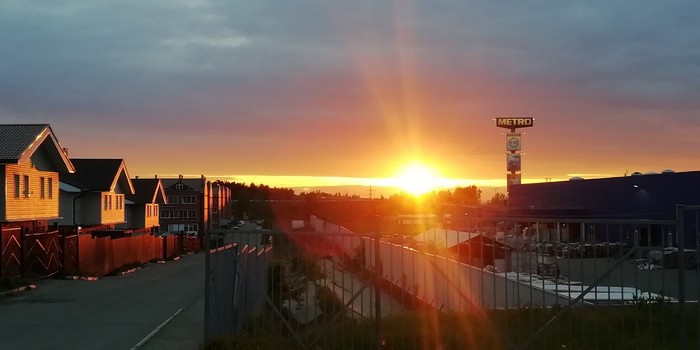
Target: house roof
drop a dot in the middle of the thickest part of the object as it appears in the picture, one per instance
(148, 191)
(18, 142)
(195, 184)
(98, 175)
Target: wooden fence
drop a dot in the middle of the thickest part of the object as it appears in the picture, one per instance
(67, 252)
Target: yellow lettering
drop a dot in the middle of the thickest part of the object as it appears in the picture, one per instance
(514, 122)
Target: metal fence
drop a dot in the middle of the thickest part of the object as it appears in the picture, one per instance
(497, 283)
(236, 280)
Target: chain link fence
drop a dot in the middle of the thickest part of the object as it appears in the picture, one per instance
(498, 283)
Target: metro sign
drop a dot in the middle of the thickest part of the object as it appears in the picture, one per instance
(515, 122)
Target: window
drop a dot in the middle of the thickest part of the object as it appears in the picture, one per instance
(50, 187)
(179, 186)
(191, 227)
(26, 186)
(188, 215)
(172, 199)
(110, 201)
(42, 189)
(105, 205)
(168, 214)
(189, 199)
(17, 186)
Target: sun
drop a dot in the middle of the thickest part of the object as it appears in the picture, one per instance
(417, 179)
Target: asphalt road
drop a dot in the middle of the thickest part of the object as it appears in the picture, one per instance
(111, 313)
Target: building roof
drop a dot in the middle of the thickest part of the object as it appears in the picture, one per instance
(196, 184)
(148, 191)
(18, 142)
(648, 196)
(444, 238)
(98, 175)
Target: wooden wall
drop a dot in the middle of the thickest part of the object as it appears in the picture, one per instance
(32, 207)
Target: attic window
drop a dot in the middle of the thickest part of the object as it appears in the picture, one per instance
(179, 186)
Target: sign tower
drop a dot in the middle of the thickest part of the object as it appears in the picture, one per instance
(514, 146)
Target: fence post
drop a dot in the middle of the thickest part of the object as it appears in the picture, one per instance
(680, 240)
(377, 282)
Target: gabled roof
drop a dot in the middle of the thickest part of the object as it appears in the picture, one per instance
(189, 184)
(148, 191)
(98, 175)
(18, 142)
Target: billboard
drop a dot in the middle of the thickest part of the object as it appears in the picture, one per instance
(514, 122)
(514, 162)
(513, 142)
(513, 179)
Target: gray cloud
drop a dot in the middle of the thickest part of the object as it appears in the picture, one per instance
(262, 66)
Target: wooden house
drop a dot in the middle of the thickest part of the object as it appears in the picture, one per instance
(30, 161)
(94, 194)
(143, 207)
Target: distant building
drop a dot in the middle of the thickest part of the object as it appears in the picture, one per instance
(220, 205)
(94, 195)
(651, 196)
(473, 248)
(31, 159)
(187, 208)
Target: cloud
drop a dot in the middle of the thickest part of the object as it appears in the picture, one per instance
(408, 76)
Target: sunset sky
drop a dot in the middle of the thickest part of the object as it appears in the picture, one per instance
(335, 91)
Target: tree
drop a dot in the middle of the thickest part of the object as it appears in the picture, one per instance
(498, 199)
(467, 195)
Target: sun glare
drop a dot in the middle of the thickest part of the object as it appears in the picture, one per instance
(417, 179)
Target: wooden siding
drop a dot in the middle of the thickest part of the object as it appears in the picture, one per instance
(154, 219)
(32, 207)
(3, 191)
(113, 214)
(137, 216)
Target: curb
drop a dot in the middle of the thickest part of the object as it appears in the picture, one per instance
(17, 290)
(130, 271)
(82, 278)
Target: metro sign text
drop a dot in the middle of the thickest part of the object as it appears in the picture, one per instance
(515, 122)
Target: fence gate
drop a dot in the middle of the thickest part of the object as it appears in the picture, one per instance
(69, 253)
(11, 252)
(42, 254)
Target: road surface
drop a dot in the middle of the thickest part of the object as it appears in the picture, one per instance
(111, 313)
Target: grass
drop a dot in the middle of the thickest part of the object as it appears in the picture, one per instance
(647, 326)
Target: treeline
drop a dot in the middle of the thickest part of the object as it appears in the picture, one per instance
(470, 195)
(254, 201)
